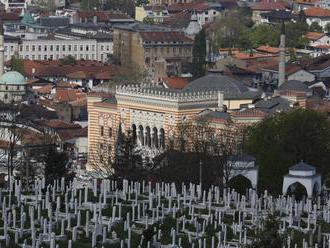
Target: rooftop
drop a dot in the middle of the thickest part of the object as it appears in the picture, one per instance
(317, 12)
(268, 5)
(314, 35)
(301, 166)
(216, 81)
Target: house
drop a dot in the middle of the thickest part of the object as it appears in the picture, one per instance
(319, 66)
(276, 16)
(264, 6)
(319, 15)
(295, 91)
(316, 39)
(206, 12)
(292, 72)
(157, 13)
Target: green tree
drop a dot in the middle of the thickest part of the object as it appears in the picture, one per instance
(285, 139)
(55, 164)
(228, 29)
(199, 54)
(265, 34)
(315, 27)
(327, 28)
(89, 4)
(17, 64)
(68, 60)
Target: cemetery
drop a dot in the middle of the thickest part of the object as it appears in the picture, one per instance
(110, 213)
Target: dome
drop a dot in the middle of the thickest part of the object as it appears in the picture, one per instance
(13, 78)
(218, 82)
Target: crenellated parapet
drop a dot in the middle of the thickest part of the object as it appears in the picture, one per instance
(164, 95)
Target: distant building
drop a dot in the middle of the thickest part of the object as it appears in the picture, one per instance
(265, 6)
(152, 47)
(157, 13)
(13, 87)
(319, 15)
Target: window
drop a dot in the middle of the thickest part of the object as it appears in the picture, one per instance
(75, 47)
(33, 48)
(6, 96)
(57, 48)
(45, 48)
(27, 48)
(17, 88)
(102, 47)
(102, 130)
(11, 48)
(33, 57)
(39, 57)
(110, 132)
(51, 47)
(87, 48)
(21, 48)
(6, 87)
(45, 57)
(63, 48)
(39, 48)
(81, 48)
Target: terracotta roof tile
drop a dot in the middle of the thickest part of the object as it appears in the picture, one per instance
(268, 49)
(268, 5)
(314, 35)
(47, 89)
(175, 82)
(250, 112)
(59, 124)
(317, 12)
(68, 95)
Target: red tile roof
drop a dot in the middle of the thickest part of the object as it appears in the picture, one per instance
(175, 82)
(314, 35)
(59, 124)
(269, 5)
(317, 12)
(9, 16)
(167, 36)
(268, 49)
(86, 69)
(198, 6)
(250, 112)
(289, 68)
(68, 95)
(47, 89)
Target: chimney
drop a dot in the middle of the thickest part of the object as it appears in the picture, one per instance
(281, 65)
(220, 101)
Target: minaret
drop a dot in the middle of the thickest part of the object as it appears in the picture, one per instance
(2, 49)
(281, 65)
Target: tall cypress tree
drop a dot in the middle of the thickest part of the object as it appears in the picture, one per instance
(199, 54)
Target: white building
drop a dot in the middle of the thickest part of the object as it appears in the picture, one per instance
(54, 49)
(319, 15)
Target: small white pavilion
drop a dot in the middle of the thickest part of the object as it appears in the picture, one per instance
(304, 174)
(245, 166)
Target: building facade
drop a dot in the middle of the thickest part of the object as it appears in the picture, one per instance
(152, 48)
(54, 49)
(153, 116)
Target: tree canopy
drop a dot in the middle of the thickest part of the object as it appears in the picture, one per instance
(284, 140)
(236, 29)
(199, 54)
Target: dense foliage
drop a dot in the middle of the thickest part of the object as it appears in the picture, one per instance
(199, 54)
(285, 139)
(236, 29)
